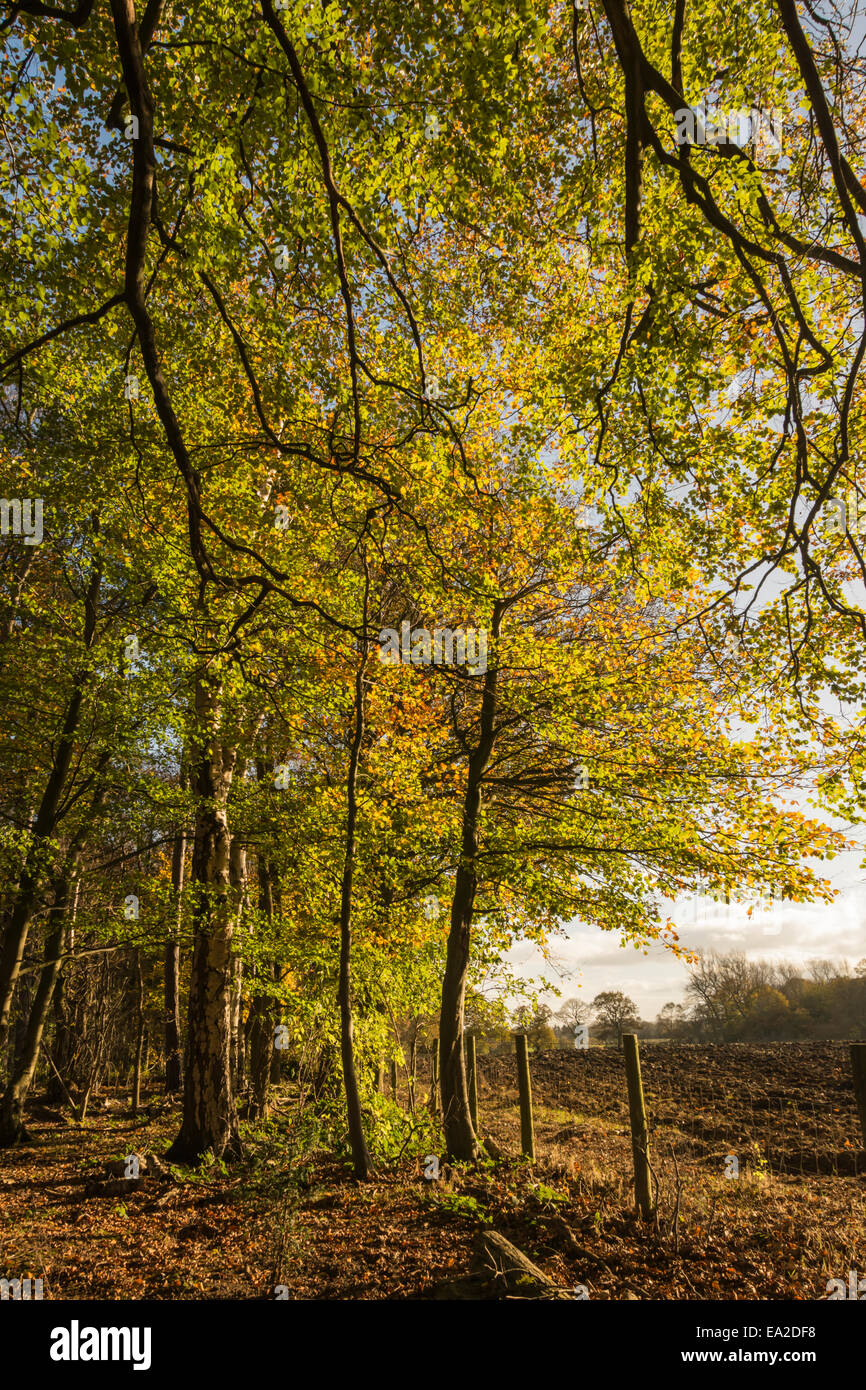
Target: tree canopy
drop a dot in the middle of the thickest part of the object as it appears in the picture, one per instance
(435, 422)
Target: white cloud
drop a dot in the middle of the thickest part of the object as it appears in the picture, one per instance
(591, 961)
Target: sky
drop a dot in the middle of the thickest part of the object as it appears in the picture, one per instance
(588, 960)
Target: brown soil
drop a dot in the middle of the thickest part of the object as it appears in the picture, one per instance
(792, 1219)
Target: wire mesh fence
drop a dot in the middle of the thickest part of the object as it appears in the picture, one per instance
(783, 1108)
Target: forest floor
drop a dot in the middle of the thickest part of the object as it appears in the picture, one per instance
(290, 1213)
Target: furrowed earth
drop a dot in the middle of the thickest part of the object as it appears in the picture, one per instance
(778, 1222)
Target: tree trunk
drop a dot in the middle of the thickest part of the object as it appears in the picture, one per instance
(12, 1129)
(27, 1054)
(413, 1066)
(93, 1079)
(65, 1036)
(139, 1034)
(361, 1161)
(23, 1003)
(238, 881)
(173, 1067)
(63, 1050)
(262, 1013)
(460, 1138)
(27, 896)
(237, 1025)
(209, 1118)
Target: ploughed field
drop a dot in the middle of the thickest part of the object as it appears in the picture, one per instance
(289, 1215)
(777, 1107)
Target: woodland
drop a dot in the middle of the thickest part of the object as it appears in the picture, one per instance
(431, 475)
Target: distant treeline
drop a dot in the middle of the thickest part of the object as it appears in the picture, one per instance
(732, 999)
(728, 999)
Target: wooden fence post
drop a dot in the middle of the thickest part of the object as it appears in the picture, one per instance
(472, 1069)
(434, 1081)
(639, 1127)
(858, 1069)
(527, 1132)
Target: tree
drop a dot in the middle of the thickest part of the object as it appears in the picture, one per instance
(535, 1022)
(614, 1013)
(348, 369)
(572, 1013)
(671, 1020)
